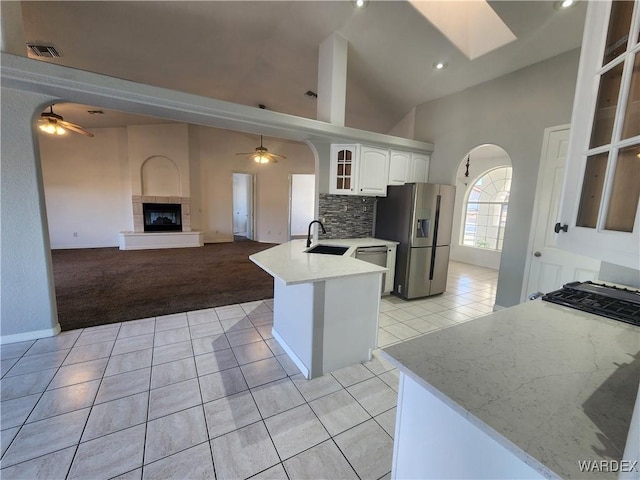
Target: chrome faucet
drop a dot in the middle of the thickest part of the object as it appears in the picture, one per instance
(309, 231)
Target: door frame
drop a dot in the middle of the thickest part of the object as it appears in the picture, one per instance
(252, 205)
(536, 205)
(535, 220)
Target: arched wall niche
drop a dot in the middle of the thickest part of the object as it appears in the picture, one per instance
(160, 176)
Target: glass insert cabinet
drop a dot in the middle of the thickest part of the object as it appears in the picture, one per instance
(344, 169)
(599, 216)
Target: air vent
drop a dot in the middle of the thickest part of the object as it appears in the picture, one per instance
(43, 50)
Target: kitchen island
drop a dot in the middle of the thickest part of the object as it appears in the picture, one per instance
(526, 392)
(326, 307)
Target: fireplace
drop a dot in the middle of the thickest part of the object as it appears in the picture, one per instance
(162, 217)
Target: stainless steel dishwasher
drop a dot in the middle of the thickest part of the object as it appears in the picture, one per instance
(376, 255)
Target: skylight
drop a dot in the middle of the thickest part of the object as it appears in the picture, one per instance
(471, 25)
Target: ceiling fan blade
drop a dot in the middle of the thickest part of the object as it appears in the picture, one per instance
(263, 152)
(74, 128)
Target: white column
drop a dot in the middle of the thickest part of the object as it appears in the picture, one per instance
(28, 306)
(332, 79)
(11, 29)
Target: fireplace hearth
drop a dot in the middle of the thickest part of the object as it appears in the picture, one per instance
(162, 217)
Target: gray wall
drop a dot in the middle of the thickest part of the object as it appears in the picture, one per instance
(512, 112)
(28, 297)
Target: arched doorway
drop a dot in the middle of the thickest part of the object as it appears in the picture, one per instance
(483, 181)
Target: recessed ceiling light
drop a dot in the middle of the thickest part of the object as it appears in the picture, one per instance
(360, 3)
(564, 4)
(439, 65)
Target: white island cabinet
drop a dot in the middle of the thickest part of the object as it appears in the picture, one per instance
(533, 391)
(326, 307)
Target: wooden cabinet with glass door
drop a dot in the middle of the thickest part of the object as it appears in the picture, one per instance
(599, 215)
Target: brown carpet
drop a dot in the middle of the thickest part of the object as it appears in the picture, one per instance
(105, 285)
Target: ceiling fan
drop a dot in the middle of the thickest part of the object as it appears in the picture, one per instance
(262, 155)
(54, 124)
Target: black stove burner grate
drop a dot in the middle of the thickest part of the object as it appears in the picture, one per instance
(611, 302)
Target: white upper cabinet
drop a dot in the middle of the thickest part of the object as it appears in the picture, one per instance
(343, 169)
(373, 173)
(599, 209)
(366, 170)
(419, 168)
(399, 164)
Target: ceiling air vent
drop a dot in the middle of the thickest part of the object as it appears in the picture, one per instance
(43, 50)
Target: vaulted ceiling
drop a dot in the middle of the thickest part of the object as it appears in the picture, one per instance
(266, 52)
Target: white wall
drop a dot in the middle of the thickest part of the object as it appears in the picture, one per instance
(405, 127)
(167, 140)
(217, 161)
(482, 257)
(511, 111)
(87, 188)
(89, 181)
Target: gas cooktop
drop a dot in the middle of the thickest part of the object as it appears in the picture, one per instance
(606, 300)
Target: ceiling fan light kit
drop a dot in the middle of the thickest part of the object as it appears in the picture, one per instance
(54, 124)
(52, 128)
(262, 155)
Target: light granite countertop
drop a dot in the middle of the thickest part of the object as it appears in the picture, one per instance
(550, 383)
(290, 263)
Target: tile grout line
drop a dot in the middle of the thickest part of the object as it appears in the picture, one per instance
(24, 422)
(73, 458)
(204, 414)
(193, 356)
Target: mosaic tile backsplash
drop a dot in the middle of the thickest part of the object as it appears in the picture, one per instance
(346, 216)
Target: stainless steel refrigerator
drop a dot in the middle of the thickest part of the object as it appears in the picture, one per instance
(419, 216)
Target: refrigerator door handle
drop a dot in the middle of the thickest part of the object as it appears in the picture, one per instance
(435, 238)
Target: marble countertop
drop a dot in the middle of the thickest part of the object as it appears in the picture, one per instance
(290, 263)
(552, 384)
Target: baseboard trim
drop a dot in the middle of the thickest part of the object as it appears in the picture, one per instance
(26, 336)
(80, 247)
(497, 307)
(303, 368)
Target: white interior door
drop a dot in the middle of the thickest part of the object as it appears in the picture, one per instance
(301, 203)
(243, 205)
(550, 267)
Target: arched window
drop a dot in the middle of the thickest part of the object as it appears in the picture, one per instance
(486, 210)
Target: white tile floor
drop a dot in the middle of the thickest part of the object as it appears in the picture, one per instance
(210, 392)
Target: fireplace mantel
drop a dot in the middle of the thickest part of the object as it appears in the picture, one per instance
(152, 240)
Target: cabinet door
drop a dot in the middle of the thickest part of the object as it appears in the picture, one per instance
(399, 167)
(343, 169)
(419, 168)
(602, 182)
(373, 173)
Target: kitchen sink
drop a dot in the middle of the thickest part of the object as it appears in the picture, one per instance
(328, 249)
